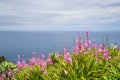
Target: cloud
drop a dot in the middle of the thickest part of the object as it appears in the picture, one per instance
(59, 14)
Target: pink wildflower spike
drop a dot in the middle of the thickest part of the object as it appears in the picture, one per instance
(33, 61)
(64, 52)
(79, 45)
(43, 64)
(67, 54)
(49, 60)
(86, 34)
(101, 49)
(43, 56)
(75, 51)
(106, 56)
(68, 60)
(18, 66)
(24, 64)
(87, 44)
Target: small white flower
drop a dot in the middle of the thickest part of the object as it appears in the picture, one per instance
(115, 46)
(65, 72)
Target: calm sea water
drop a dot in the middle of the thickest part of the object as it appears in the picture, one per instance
(24, 43)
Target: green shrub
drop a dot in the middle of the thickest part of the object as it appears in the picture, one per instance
(2, 59)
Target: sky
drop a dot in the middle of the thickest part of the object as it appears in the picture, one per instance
(59, 15)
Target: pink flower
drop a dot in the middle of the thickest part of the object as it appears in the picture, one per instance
(24, 64)
(68, 60)
(2, 76)
(86, 34)
(43, 56)
(67, 54)
(49, 61)
(106, 56)
(33, 61)
(18, 66)
(43, 64)
(87, 44)
(101, 49)
(18, 63)
(79, 45)
(76, 51)
(64, 51)
(95, 46)
(9, 73)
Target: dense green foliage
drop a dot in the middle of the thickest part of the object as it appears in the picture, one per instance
(2, 59)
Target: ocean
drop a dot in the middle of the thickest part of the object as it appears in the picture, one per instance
(24, 43)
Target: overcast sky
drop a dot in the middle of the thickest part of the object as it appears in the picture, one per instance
(59, 15)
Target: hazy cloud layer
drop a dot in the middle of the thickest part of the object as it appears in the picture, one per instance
(59, 15)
